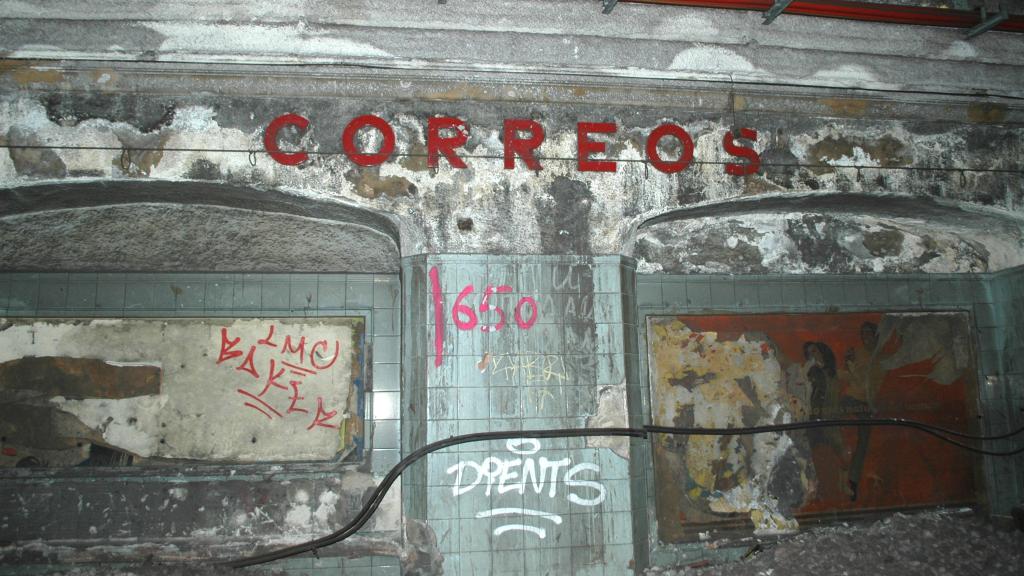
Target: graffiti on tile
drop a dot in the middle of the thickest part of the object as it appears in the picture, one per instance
(749, 370)
(521, 472)
(464, 314)
(534, 368)
(95, 392)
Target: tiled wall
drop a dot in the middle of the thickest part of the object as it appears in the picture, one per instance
(550, 375)
(589, 339)
(1004, 334)
(376, 297)
(994, 301)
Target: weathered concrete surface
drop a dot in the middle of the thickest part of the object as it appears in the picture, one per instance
(638, 41)
(734, 371)
(218, 240)
(942, 542)
(963, 150)
(838, 233)
(187, 513)
(224, 393)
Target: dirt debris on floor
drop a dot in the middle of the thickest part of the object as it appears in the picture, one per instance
(925, 544)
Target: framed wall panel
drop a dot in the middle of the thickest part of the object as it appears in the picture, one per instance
(746, 370)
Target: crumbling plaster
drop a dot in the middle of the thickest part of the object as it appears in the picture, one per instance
(635, 41)
(485, 208)
(865, 109)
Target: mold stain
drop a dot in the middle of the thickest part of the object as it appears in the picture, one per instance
(368, 183)
(28, 74)
(851, 107)
(986, 112)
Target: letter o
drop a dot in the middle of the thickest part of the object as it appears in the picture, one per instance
(348, 140)
(673, 166)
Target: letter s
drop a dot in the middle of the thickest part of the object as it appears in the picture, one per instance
(730, 146)
(569, 481)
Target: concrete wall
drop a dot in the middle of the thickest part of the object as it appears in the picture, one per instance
(132, 139)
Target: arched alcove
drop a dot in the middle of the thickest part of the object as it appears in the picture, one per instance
(829, 233)
(786, 308)
(188, 227)
(123, 300)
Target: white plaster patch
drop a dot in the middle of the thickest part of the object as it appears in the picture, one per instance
(860, 158)
(298, 517)
(113, 417)
(708, 58)
(199, 412)
(847, 74)
(960, 50)
(611, 413)
(234, 41)
(328, 504)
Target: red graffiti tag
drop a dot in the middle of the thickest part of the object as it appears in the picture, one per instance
(322, 416)
(291, 356)
(465, 317)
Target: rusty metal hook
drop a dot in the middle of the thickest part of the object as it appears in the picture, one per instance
(252, 158)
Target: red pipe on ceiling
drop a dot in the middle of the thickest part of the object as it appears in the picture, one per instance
(862, 11)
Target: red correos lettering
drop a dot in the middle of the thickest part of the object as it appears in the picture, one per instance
(523, 147)
(348, 140)
(270, 139)
(753, 159)
(685, 157)
(586, 147)
(445, 144)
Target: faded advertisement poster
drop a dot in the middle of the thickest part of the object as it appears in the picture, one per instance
(750, 370)
(102, 392)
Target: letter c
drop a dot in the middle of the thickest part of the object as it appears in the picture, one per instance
(270, 139)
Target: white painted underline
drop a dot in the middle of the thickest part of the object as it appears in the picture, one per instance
(540, 532)
(524, 511)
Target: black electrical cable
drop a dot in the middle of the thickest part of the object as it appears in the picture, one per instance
(381, 490)
(763, 165)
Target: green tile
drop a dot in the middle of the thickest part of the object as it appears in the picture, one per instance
(793, 294)
(220, 296)
(109, 296)
(698, 293)
(723, 293)
(359, 295)
(745, 293)
(247, 296)
(474, 402)
(769, 294)
(386, 433)
(386, 292)
(52, 295)
(649, 294)
(386, 377)
(877, 293)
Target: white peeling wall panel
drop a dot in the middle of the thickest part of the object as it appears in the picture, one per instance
(241, 390)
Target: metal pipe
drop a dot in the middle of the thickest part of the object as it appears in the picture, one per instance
(861, 11)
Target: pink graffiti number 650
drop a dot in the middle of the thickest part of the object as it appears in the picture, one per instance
(465, 317)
